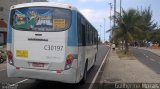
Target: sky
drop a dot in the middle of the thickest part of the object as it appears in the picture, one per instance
(98, 11)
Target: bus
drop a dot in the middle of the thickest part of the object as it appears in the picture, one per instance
(50, 41)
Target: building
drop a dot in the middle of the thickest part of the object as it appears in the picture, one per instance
(4, 14)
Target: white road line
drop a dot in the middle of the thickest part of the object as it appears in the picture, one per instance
(2, 69)
(19, 82)
(94, 79)
(145, 55)
(152, 59)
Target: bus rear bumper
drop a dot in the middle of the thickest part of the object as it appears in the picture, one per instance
(66, 76)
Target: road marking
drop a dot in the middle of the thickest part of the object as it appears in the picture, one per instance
(95, 77)
(152, 59)
(19, 82)
(2, 69)
(145, 55)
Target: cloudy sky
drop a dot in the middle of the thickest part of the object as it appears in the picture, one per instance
(98, 10)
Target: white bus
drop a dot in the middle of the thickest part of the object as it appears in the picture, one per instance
(50, 41)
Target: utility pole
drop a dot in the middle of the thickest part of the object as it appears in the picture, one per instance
(104, 28)
(122, 42)
(120, 7)
(114, 13)
(110, 18)
(100, 30)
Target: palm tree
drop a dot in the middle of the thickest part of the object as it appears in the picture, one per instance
(127, 24)
(133, 25)
(147, 25)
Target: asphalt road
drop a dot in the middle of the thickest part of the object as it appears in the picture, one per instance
(33, 84)
(148, 58)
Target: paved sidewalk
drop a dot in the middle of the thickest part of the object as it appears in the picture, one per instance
(3, 66)
(127, 71)
(156, 51)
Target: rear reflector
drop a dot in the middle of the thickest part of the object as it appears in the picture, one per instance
(18, 68)
(59, 71)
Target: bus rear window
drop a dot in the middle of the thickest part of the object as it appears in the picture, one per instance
(40, 19)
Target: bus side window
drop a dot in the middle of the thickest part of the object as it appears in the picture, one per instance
(79, 31)
(83, 35)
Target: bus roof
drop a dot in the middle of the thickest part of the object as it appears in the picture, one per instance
(49, 4)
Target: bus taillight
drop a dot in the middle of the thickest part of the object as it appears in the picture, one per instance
(69, 61)
(10, 57)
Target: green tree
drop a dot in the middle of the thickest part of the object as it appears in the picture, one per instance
(127, 25)
(134, 25)
(146, 24)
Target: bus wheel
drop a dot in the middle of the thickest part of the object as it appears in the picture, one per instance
(83, 81)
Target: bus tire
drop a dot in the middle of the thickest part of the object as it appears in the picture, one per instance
(83, 81)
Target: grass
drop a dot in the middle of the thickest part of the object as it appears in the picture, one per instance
(121, 54)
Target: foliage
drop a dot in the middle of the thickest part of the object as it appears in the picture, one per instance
(129, 55)
(134, 26)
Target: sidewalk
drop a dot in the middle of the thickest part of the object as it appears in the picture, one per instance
(127, 71)
(156, 51)
(3, 66)
(3, 49)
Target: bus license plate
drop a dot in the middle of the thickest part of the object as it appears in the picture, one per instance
(37, 64)
(22, 53)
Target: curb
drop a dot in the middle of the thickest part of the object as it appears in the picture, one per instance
(101, 68)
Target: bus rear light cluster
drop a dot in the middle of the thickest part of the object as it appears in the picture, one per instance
(69, 61)
(10, 57)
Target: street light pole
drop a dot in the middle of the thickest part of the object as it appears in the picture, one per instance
(104, 28)
(120, 7)
(114, 12)
(100, 30)
(110, 18)
(122, 42)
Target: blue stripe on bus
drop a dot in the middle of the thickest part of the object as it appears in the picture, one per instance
(72, 32)
(9, 34)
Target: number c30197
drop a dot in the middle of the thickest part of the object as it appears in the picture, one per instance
(53, 48)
